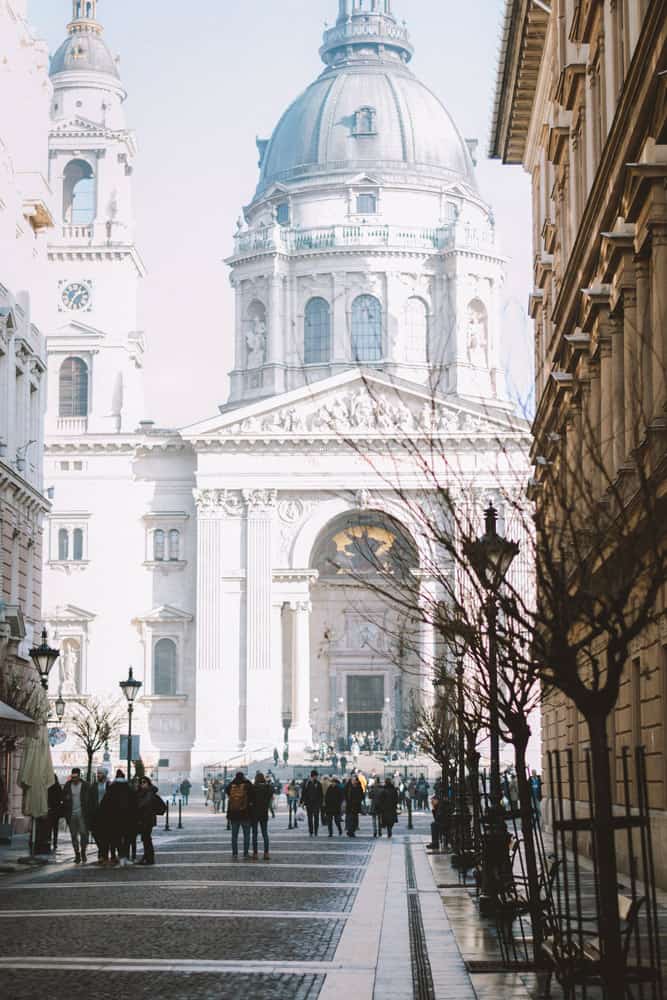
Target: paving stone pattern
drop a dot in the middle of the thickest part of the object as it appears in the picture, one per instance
(159, 986)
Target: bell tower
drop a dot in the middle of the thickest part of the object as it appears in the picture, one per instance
(95, 351)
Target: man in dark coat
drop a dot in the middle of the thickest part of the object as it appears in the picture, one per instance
(354, 796)
(186, 787)
(55, 801)
(94, 797)
(118, 815)
(312, 797)
(240, 799)
(259, 813)
(333, 803)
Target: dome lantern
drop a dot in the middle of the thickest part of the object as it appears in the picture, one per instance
(366, 28)
(84, 17)
(84, 50)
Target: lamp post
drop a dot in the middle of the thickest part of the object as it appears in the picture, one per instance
(130, 689)
(491, 557)
(43, 657)
(59, 705)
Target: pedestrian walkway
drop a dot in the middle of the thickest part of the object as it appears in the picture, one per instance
(350, 918)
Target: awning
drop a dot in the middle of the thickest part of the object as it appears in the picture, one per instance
(13, 723)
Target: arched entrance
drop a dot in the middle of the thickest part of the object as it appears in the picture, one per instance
(364, 661)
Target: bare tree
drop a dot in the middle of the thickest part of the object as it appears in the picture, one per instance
(95, 723)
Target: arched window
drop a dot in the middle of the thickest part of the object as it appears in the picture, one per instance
(255, 334)
(73, 400)
(317, 332)
(283, 214)
(63, 545)
(416, 330)
(158, 545)
(164, 667)
(367, 204)
(366, 329)
(174, 545)
(77, 545)
(365, 122)
(79, 194)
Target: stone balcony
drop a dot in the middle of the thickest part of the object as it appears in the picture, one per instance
(72, 425)
(294, 240)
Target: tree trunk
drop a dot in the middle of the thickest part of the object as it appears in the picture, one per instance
(605, 851)
(528, 833)
(89, 772)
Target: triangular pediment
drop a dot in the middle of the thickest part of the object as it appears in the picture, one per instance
(74, 328)
(365, 179)
(354, 404)
(70, 614)
(165, 613)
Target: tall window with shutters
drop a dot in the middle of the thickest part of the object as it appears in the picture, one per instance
(73, 385)
(159, 545)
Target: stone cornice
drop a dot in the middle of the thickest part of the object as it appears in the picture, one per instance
(100, 252)
(21, 491)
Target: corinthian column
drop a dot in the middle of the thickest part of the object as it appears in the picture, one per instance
(659, 320)
(263, 678)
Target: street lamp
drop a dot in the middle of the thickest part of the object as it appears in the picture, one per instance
(491, 557)
(130, 689)
(43, 657)
(287, 722)
(59, 705)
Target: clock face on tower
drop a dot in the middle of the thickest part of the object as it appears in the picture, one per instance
(76, 296)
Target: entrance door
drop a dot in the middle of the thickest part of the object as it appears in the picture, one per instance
(365, 703)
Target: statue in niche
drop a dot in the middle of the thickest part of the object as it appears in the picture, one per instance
(256, 343)
(68, 664)
(363, 412)
(477, 335)
(387, 725)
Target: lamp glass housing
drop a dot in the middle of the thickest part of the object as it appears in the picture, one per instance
(130, 687)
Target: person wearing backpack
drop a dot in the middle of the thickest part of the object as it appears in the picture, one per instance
(240, 800)
(312, 798)
(149, 807)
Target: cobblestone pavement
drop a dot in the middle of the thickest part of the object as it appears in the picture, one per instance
(324, 918)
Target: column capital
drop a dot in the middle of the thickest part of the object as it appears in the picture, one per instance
(218, 502)
(260, 501)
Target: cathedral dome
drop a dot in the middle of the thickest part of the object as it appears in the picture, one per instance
(367, 111)
(85, 50)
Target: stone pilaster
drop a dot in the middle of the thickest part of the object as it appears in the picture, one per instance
(301, 733)
(631, 370)
(659, 321)
(644, 338)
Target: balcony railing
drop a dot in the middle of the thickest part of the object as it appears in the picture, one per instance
(72, 425)
(78, 232)
(280, 239)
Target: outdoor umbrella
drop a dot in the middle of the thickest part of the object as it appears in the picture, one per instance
(36, 774)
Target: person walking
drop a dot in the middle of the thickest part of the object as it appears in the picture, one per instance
(386, 806)
(354, 795)
(186, 788)
(75, 795)
(118, 814)
(311, 798)
(55, 802)
(333, 804)
(292, 795)
(176, 791)
(343, 764)
(95, 797)
(259, 814)
(149, 806)
(240, 799)
(217, 796)
(276, 756)
(373, 793)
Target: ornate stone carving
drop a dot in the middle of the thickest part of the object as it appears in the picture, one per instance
(290, 511)
(260, 501)
(220, 501)
(363, 499)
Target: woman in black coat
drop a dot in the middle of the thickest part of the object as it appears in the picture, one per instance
(386, 805)
(146, 818)
(118, 816)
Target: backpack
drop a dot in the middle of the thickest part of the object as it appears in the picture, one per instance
(159, 806)
(238, 798)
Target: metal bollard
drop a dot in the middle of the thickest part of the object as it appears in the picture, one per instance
(180, 815)
(410, 826)
(166, 818)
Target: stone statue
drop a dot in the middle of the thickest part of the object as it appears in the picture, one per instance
(477, 336)
(69, 662)
(363, 412)
(387, 725)
(256, 343)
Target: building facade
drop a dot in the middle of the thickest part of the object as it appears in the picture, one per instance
(25, 220)
(582, 104)
(368, 291)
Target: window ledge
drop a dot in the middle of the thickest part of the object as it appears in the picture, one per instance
(169, 698)
(68, 566)
(166, 565)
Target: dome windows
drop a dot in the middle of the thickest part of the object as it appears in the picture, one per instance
(365, 122)
(366, 329)
(317, 332)
(283, 214)
(367, 204)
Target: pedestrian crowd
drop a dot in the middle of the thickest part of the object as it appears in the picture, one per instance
(113, 814)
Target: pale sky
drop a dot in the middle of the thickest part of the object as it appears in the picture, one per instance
(204, 79)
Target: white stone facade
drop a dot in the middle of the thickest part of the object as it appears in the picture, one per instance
(195, 555)
(25, 218)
